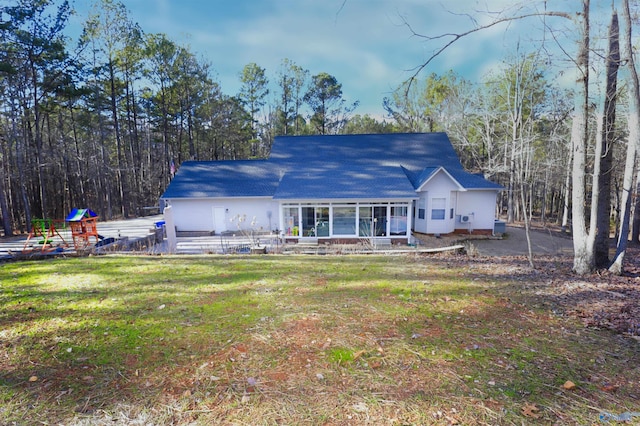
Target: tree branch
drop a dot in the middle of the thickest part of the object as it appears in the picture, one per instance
(457, 36)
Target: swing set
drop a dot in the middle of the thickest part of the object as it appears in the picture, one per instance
(83, 225)
(45, 231)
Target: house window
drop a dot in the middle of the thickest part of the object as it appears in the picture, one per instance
(344, 220)
(422, 209)
(451, 214)
(438, 206)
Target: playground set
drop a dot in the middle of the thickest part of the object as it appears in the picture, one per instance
(82, 224)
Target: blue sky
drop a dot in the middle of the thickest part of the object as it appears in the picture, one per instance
(363, 43)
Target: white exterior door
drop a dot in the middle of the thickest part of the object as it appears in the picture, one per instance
(219, 222)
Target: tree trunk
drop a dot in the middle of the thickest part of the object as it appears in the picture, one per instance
(120, 173)
(81, 197)
(583, 257)
(38, 141)
(635, 228)
(567, 195)
(604, 208)
(526, 227)
(632, 145)
(135, 155)
(4, 207)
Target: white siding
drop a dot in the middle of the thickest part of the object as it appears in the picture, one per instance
(420, 219)
(198, 214)
(437, 188)
(480, 205)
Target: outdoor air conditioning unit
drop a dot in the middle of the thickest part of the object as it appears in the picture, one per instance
(466, 218)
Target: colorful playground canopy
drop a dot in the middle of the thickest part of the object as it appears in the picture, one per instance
(77, 215)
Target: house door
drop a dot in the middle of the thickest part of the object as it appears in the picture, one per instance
(373, 218)
(380, 221)
(219, 222)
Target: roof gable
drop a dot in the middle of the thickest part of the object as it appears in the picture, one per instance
(461, 178)
(430, 173)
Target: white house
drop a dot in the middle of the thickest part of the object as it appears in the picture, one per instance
(339, 187)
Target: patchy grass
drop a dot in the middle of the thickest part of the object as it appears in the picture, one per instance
(317, 340)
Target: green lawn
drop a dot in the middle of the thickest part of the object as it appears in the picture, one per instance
(315, 340)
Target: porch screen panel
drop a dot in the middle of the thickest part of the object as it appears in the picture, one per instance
(365, 221)
(344, 221)
(291, 221)
(322, 221)
(398, 220)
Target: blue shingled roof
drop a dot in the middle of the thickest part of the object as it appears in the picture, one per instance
(464, 179)
(329, 167)
(473, 181)
(411, 150)
(222, 179)
(355, 182)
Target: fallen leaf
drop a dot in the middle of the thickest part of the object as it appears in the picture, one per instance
(358, 354)
(609, 388)
(569, 385)
(33, 378)
(530, 410)
(375, 364)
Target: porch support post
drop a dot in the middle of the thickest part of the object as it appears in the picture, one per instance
(281, 218)
(409, 221)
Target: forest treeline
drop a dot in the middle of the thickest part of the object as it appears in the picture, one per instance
(104, 121)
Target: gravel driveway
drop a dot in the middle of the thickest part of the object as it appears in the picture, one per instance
(514, 243)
